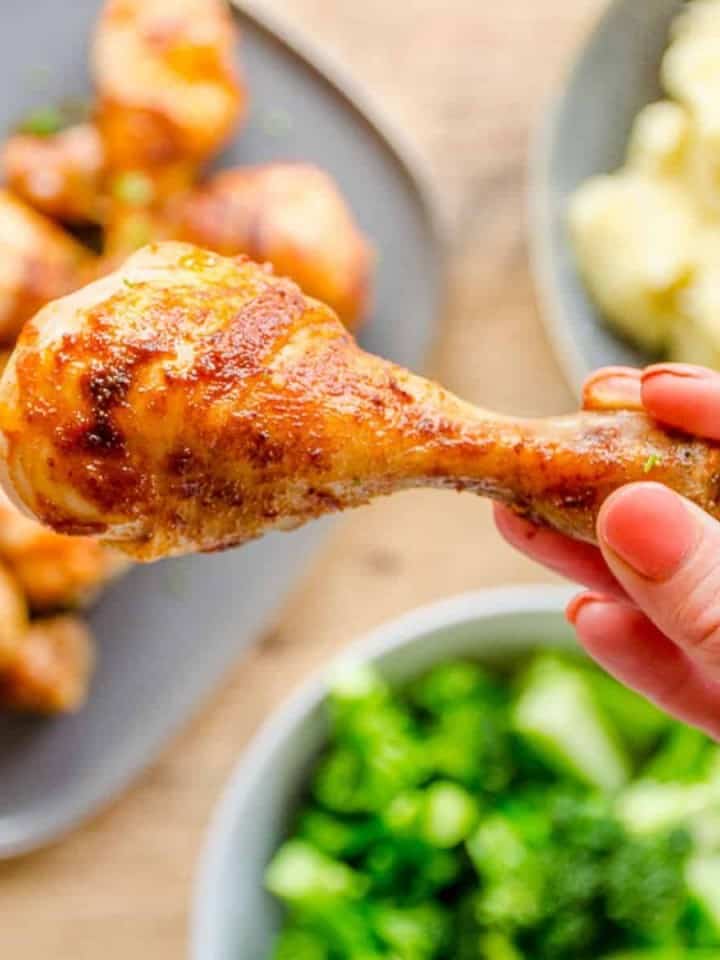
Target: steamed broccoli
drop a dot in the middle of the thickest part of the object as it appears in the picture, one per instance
(582, 839)
(413, 933)
(377, 752)
(549, 815)
(646, 889)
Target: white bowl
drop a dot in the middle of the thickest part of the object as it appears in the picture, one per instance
(234, 919)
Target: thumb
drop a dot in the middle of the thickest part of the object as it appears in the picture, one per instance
(665, 551)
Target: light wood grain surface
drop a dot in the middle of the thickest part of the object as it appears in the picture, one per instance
(468, 81)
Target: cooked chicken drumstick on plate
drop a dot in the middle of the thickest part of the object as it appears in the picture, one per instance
(14, 619)
(169, 91)
(191, 402)
(59, 175)
(293, 216)
(54, 572)
(52, 669)
(38, 262)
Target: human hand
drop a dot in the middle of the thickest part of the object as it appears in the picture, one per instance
(651, 613)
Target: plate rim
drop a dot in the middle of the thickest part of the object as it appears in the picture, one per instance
(416, 173)
(358, 97)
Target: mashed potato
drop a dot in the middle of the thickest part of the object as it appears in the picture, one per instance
(647, 238)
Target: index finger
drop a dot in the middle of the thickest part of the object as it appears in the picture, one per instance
(683, 396)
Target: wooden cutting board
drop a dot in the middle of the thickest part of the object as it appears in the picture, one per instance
(468, 81)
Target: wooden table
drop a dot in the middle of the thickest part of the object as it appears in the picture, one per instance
(468, 81)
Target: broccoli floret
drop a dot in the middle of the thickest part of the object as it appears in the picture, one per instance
(410, 870)
(496, 946)
(702, 917)
(442, 814)
(473, 941)
(335, 836)
(639, 722)
(346, 929)
(300, 874)
(685, 755)
(567, 936)
(650, 807)
(363, 778)
(294, 943)
(473, 746)
(480, 944)
(583, 821)
(454, 682)
(583, 836)
(511, 871)
(557, 715)
(355, 689)
(414, 933)
(646, 887)
(448, 816)
(529, 812)
(377, 752)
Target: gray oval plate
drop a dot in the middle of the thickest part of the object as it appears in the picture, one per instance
(167, 632)
(616, 74)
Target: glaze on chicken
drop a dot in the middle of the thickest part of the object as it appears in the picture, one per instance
(193, 402)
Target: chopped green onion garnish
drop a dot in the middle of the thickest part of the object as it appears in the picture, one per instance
(43, 122)
(652, 461)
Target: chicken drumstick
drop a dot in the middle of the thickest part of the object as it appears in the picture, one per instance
(193, 402)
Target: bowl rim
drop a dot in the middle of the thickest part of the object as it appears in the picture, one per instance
(388, 637)
(540, 211)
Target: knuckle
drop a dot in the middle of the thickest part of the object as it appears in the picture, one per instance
(697, 618)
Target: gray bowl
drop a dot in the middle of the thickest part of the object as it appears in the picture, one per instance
(585, 133)
(234, 919)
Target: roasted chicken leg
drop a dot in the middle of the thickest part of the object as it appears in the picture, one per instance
(293, 216)
(193, 402)
(169, 91)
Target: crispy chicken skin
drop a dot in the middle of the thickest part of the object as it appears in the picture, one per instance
(38, 263)
(168, 88)
(192, 402)
(61, 175)
(52, 669)
(292, 216)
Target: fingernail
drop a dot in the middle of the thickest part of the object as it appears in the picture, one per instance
(649, 528)
(685, 371)
(580, 602)
(612, 387)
